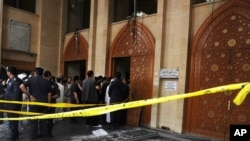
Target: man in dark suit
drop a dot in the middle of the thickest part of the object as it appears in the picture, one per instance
(117, 95)
(90, 96)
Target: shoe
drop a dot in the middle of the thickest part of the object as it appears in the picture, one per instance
(74, 122)
(111, 127)
(14, 138)
(39, 136)
(98, 126)
(45, 139)
(50, 136)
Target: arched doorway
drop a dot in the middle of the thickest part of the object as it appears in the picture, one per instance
(220, 56)
(135, 43)
(75, 57)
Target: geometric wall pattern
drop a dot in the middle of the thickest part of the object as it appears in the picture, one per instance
(221, 55)
(136, 42)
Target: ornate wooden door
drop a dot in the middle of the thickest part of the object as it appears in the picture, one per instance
(220, 56)
(240, 68)
(135, 41)
(141, 86)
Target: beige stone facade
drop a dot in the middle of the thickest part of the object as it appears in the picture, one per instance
(173, 28)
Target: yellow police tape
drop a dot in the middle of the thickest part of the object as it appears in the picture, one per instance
(245, 90)
(241, 96)
(58, 105)
(19, 112)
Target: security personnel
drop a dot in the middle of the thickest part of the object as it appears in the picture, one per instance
(39, 91)
(13, 93)
(75, 96)
(2, 92)
(55, 93)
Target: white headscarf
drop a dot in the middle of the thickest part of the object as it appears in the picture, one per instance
(22, 76)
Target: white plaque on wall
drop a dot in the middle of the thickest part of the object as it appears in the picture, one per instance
(19, 35)
(170, 85)
(169, 73)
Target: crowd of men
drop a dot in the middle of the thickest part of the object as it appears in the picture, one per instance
(42, 86)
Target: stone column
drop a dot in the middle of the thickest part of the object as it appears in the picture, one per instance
(92, 35)
(102, 37)
(98, 36)
(157, 61)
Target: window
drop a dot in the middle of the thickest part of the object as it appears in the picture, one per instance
(122, 9)
(78, 15)
(27, 5)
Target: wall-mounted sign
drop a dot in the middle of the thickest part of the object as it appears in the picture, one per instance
(169, 73)
(19, 35)
(170, 85)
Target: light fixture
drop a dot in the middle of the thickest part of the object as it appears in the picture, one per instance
(73, 5)
(76, 39)
(133, 17)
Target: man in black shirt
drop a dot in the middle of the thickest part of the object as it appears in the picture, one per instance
(75, 96)
(55, 93)
(39, 91)
(13, 93)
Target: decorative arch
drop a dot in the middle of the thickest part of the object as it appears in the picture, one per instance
(124, 45)
(238, 7)
(135, 41)
(76, 49)
(75, 52)
(219, 56)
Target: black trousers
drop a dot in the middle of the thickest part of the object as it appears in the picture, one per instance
(1, 113)
(73, 119)
(93, 120)
(52, 110)
(13, 125)
(116, 117)
(39, 126)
